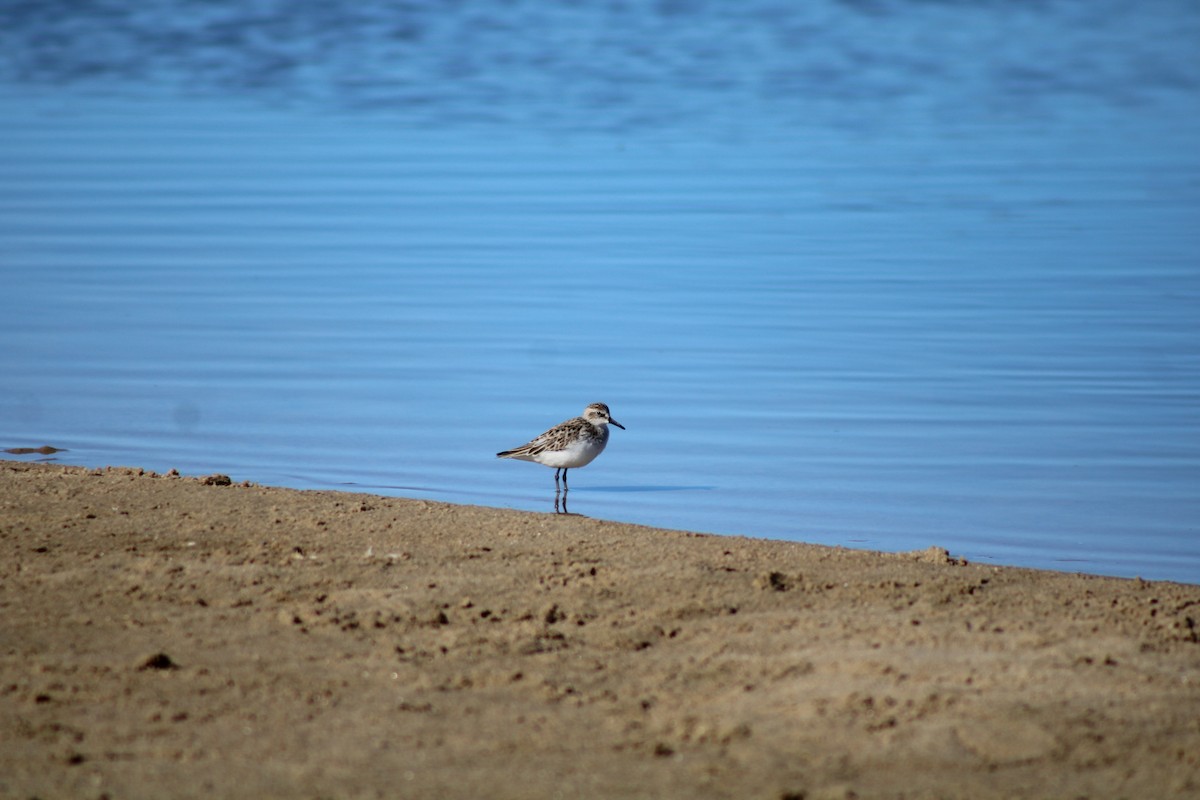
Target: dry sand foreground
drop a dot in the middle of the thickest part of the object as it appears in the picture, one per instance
(167, 637)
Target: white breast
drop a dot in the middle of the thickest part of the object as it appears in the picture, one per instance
(577, 454)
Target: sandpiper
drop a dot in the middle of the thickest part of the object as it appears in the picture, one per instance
(570, 444)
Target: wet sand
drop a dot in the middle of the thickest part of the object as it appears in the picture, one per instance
(166, 636)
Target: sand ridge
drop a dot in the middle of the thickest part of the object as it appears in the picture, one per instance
(196, 637)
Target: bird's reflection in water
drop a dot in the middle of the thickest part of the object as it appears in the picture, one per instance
(560, 501)
(560, 504)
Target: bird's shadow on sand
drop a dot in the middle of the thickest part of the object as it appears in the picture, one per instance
(650, 488)
(560, 498)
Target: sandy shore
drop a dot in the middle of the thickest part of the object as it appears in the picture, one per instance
(166, 636)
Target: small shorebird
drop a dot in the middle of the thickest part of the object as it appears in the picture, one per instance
(570, 444)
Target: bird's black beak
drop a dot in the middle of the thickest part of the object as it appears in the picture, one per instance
(614, 422)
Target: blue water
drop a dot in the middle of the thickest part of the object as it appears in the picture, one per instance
(876, 274)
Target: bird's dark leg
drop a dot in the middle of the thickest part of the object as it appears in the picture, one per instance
(556, 480)
(565, 487)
